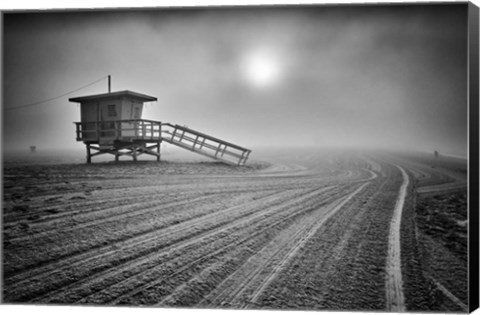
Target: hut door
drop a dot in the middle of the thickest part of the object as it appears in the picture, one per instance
(89, 115)
(108, 116)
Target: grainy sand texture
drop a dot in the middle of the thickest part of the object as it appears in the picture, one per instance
(308, 230)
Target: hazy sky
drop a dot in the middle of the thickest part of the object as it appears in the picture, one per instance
(388, 76)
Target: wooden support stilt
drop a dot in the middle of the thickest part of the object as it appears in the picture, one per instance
(246, 157)
(218, 149)
(158, 151)
(89, 157)
(134, 153)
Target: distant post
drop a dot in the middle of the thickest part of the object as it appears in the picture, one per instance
(436, 154)
(33, 148)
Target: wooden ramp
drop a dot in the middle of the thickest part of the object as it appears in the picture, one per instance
(203, 144)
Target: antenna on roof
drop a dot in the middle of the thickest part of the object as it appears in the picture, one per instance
(109, 84)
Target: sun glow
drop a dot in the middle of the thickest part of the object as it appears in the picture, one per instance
(261, 69)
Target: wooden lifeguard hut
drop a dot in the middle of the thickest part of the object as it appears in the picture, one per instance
(111, 123)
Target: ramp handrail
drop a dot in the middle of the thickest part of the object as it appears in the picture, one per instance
(183, 128)
(196, 141)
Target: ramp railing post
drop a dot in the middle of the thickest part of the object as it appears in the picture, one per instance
(241, 158)
(174, 133)
(246, 157)
(195, 143)
(181, 137)
(218, 149)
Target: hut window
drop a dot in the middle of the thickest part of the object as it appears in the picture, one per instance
(111, 110)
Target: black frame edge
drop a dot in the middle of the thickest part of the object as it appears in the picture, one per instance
(473, 96)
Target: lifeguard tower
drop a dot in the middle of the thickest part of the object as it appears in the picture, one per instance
(111, 123)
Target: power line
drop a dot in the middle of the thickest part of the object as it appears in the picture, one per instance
(56, 97)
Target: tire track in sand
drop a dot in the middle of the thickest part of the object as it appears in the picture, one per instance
(258, 230)
(89, 258)
(450, 295)
(246, 284)
(93, 255)
(395, 298)
(261, 217)
(293, 252)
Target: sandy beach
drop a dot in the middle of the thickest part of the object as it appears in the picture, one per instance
(308, 230)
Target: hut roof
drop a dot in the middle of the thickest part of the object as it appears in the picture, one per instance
(131, 94)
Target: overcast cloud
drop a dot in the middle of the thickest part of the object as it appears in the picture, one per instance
(383, 76)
